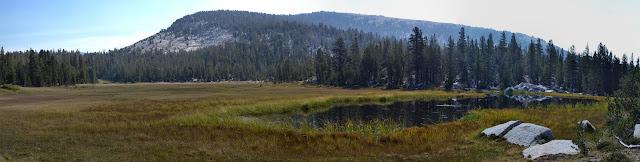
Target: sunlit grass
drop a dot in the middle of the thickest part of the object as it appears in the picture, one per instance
(215, 121)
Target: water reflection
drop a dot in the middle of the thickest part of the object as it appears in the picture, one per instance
(418, 113)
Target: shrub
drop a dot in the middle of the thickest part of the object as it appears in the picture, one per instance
(617, 157)
(596, 136)
(579, 140)
(10, 87)
(607, 146)
(624, 109)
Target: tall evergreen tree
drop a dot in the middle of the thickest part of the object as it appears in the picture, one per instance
(322, 66)
(369, 66)
(339, 58)
(571, 70)
(394, 66)
(35, 71)
(3, 66)
(353, 64)
(550, 64)
(461, 58)
(416, 46)
(433, 61)
(504, 69)
(449, 70)
(531, 64)
(515, 62)
(485, 65)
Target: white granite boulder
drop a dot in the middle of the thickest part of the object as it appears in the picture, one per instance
(587, 125)
(551, 148)
(502, 129)
(636, 131)
(527, 134)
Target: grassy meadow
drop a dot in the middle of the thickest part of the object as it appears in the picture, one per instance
(212, 121)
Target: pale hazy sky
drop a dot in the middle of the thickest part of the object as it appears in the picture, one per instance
(97, 25)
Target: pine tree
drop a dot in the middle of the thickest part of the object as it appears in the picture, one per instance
(461, 59)
(483, 71)
(35, 71)
(323, 68)
(515, 62)
(3, 66)
(433, 61)
(504, 69)
(353, 65)
(531, 64)
(540, 63)
(550, 65)
(586, 71)
(449, 70)
(559, 68)
(394, 69)
(339, 57)
(491, 62)
(571, 70)
(416, 46)
(477, 63)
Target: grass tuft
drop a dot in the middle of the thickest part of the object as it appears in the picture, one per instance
(10, 87)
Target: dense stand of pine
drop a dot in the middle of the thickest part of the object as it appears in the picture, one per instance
(361, 60)
(45, 68)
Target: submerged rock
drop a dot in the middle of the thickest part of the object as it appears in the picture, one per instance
(551, 148)
(587, 125)
(527, 134)
(502, 129)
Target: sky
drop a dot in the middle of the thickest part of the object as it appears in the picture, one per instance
(97, 25)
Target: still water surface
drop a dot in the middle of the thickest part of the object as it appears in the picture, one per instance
(418, 113)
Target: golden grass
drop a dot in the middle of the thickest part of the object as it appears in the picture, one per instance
(203, 121)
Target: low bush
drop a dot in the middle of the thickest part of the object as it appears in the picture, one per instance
(618, 157)
(607, 146)
(10, 87)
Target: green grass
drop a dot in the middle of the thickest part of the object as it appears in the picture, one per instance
(213, 121)
(10, 87)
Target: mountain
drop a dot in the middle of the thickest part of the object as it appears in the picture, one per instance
(207, 28)
(401, 28)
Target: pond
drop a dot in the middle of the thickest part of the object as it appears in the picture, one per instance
(417, 113)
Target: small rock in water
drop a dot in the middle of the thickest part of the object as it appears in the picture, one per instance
(551, 148)
(636, 131)
(527, 134)
(587, 125)
(502, 129)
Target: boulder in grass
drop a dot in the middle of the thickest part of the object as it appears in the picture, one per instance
(527, 134)
(636, 131)
(502, 129)
(551, 148)
(587, 125)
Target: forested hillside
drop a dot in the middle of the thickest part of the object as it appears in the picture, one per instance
(273, 48)
(262, 45)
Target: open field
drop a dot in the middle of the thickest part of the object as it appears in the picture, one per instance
(204, 121)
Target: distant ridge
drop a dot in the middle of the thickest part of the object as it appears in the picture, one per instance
(207, 28)
(401, 28)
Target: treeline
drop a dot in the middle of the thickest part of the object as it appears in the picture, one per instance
(365, 60)
(45, 68)
(278, 54)
(469, 64)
